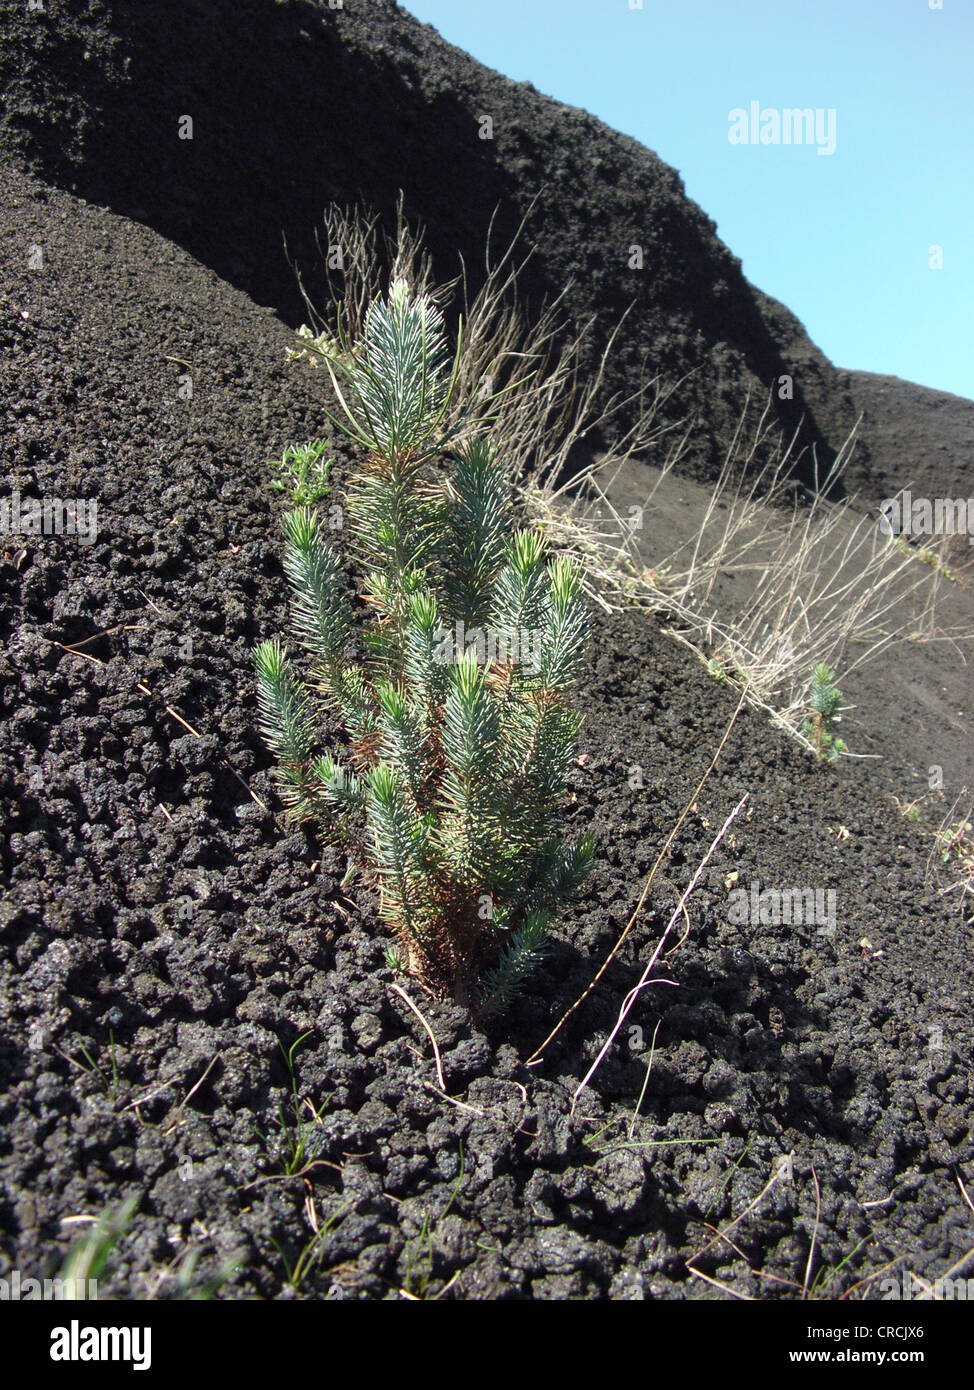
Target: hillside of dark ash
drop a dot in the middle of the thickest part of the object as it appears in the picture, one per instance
(165, 943)
(298, 105)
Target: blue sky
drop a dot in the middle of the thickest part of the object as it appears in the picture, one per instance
(844, 239)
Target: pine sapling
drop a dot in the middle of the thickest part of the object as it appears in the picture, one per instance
(824, 702)
(453, 698)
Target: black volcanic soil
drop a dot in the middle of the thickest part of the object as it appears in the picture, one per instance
(917, 436)
(162, 938)
(907, 707)
(296, 105)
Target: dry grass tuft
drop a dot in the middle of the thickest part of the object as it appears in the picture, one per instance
(825, 583)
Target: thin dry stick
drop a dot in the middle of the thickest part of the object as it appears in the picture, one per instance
(190, 1094)
(633, 994)
(460, 1104)
(930, 1292)
(803, 1289)
(148, 1095)
(436, 1051)
(154, 606)
(84, 655)
(649, 1068)
(868, 1279)
(724, 1288)
(250, 792)
(536, 1055)
(119, 627)
(723, 1235)
(818, 1215)
(95, 661)
(179, 719)
(173, 714)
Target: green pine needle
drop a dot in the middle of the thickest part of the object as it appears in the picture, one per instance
(450, 792)
(521, 957)
(320, 601)
(284, 708)
(477, 525)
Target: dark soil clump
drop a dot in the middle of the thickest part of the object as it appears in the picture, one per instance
(164, 943)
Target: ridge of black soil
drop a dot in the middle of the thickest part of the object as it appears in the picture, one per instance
(296, 105)
(161, 937)
(917, 436)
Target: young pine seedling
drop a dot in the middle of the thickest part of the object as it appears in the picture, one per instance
(824, 702)
(454, 695)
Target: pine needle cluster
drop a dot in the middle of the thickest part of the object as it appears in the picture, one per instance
(454, 696)
(824, 703)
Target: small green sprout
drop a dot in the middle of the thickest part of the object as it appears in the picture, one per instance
(305, 473)
(716, 671)
(824, 703)
(394, 959)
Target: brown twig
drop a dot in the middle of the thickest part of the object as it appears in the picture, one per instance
(173, 714)
(436, 1051)
(645, 979)
(536, 1054)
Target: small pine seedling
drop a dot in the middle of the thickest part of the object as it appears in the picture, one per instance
(454, 696)
(393, 958)
(824, 702)
(716, 671)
